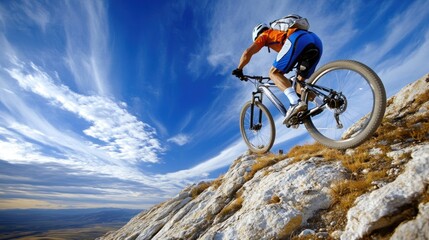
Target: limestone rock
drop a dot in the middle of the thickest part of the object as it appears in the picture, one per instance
(401, 102)
(380, 207)
(302, 189)
(414, 229)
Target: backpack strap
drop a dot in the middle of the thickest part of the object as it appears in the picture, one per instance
(281, 42)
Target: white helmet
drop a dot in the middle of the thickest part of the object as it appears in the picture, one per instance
(258, 30)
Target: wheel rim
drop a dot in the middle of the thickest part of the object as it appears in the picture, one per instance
(259, 138)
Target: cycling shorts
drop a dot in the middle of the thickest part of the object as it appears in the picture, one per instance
(292, 49)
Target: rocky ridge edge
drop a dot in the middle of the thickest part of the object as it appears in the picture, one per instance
(379, 189)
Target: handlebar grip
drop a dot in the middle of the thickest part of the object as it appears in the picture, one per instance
(257, 77)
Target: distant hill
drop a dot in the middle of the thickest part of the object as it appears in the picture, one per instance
(29, 222)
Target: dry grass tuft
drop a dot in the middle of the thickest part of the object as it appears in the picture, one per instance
(422, 98)
(261, 163)
(290, 227)
(233, 207)
(218, 181)
(197, 190)
(305, 152)
(345, 193)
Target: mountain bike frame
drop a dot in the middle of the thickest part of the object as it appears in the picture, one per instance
(330, 98)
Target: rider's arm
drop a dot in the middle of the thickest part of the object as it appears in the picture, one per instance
(247, 55)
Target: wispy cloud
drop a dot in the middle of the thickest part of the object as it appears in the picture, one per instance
(55, 185)
(87, 45)
(202, 170)
(122, 135)
(400, 70)
(180, 139)
(66, 126)
(36, 13)
(397, 29)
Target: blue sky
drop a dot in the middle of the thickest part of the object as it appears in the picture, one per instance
(124, 103)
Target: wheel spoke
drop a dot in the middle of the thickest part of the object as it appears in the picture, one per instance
(362, 96)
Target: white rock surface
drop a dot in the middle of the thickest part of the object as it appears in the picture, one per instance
(207, 205)
(414, 229)
(404, 98)
(378, 208)
(303, 189)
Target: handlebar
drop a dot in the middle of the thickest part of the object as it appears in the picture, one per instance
(257, 78)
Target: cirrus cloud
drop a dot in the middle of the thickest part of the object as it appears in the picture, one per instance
(122, 134)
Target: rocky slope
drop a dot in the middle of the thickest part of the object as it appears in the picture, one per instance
(377, 190)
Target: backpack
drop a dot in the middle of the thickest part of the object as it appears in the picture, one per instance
(290, 21)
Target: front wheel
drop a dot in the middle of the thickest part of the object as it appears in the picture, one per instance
(257, 127)
(354, 111)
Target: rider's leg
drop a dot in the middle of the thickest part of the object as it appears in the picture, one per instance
(284, 85)
(312, 97)
(279, 79)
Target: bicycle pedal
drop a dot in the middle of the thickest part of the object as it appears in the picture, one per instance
(292, 121)
(299, 115)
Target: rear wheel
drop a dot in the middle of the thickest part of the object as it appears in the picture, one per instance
(257, 129)
(356, 109)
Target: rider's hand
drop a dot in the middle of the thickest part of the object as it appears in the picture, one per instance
(238, 73)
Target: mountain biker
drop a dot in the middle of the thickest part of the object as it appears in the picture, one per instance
(289, 45)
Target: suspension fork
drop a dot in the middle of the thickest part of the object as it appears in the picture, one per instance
(256, 96)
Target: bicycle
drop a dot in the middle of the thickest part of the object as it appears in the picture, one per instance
(354, 102)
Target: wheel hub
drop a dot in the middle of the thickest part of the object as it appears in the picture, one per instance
(257, 127)
(337, 102)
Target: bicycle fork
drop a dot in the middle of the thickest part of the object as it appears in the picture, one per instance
(256, 96)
